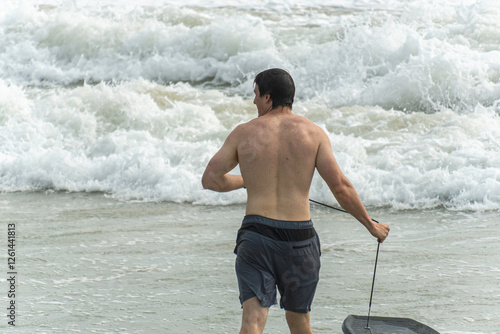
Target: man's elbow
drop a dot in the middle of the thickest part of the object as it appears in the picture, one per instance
(208, 186)
(208, 182)
(205, 182)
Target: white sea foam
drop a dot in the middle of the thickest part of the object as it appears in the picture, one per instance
(134, 100)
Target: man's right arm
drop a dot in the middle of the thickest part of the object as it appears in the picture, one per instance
(343, 190)
(216, 175)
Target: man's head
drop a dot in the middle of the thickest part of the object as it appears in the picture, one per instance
(278, 84)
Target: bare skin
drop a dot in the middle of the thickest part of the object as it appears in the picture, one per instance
(278, 153)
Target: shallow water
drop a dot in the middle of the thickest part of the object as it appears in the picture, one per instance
(91, 264)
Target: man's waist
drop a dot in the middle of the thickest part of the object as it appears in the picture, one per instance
(278, 223)
(281, 230)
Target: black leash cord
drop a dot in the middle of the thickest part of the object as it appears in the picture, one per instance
(373, 284)
(332, 207)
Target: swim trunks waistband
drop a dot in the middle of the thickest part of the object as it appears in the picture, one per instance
(285, 224)
(279, 229)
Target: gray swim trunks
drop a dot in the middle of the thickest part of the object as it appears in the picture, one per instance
(273, 253)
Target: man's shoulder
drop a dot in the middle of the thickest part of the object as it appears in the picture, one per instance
(250, 126)
(242, 130)
(304, 120)
(242, 127)
(307, 124)
(260, 122)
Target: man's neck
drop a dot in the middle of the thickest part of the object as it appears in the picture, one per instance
(279, 110)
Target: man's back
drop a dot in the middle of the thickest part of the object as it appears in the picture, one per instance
(278, 153)
(277, 156)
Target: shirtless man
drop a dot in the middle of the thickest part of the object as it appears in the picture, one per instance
(277, 245)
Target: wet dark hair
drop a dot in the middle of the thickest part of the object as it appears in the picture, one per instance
(278, 84)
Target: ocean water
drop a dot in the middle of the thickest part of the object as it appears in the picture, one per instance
(110, 111)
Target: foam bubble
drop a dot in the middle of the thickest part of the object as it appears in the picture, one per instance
(13, 103)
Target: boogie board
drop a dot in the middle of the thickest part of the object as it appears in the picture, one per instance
(356, 324)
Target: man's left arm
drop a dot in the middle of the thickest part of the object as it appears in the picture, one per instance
(216, 175)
